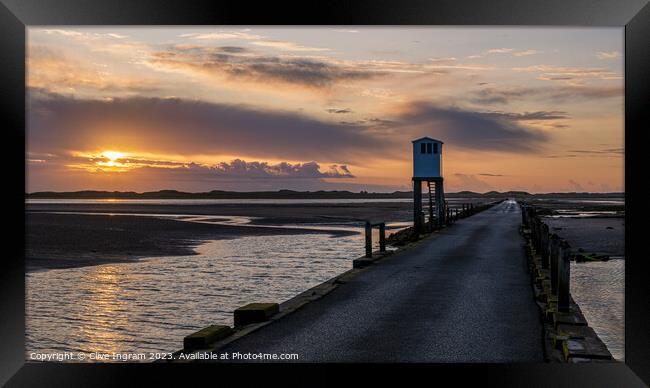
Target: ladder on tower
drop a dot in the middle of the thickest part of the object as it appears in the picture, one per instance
(430, 207)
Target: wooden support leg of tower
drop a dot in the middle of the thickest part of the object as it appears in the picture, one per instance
(417, 205)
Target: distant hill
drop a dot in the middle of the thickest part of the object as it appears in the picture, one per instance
(291, 194)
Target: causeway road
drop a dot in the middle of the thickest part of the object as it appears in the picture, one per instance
(462, 295)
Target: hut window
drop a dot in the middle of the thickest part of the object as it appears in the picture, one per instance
(423, 148)
(435, 148)
(428, 148)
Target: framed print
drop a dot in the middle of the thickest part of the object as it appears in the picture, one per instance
(249, 191)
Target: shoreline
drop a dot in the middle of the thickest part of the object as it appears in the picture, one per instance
(59, 241)
(61, 236)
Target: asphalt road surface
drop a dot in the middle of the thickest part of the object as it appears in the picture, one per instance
(464, 295)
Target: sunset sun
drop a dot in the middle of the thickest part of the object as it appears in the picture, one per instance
(112, 156)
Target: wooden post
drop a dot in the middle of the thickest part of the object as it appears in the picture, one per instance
(533, 234)
(538, 234)
(368, 239)
(555, 253)
(382, 237)
(417, 205)
(564, 277)
(544, 246)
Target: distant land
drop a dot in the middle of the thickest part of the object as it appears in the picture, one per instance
(291, 194)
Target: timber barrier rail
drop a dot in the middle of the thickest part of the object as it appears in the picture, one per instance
(567, 335)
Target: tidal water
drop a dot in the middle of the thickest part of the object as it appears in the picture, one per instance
(599, 289)
(151, 304)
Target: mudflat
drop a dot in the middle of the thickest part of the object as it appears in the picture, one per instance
(58, 237)
(268, 213)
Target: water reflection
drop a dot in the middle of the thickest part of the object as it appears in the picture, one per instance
(150, 305)
(599, 289)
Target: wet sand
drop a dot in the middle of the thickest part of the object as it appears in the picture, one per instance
(593, 225)
(270, 213)
(593, 234)
(73, 240)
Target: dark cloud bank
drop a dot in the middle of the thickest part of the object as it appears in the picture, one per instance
(192, 127)
(488, 131)
(59, 124)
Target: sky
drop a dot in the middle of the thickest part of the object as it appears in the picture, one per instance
(323, 108)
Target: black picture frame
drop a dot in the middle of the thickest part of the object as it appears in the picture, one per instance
(15, 15)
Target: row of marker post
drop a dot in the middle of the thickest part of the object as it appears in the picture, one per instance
(451, 215)
(454, 214)
(555, 255)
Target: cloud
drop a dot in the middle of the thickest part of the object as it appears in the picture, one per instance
(192, 178)
(530, 116)
(600, 152)
(608, 55)
(221, 35)
(525, 53)
(96, 42)
(492, 175)
(258, 68)
(235, 169)
(471, 183)
(261, 170)
(471, 129)
(49, 68)
(452, 63)
(597, 153)
(559, 156)
(500, 51)
(511, 51)
(287, 46)
(567, 93)
(83, 35)
(339, 110)
(257, 40)
(443, 60)
(550, 72)
(135, 173)
(494, 96)
(180, 127)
